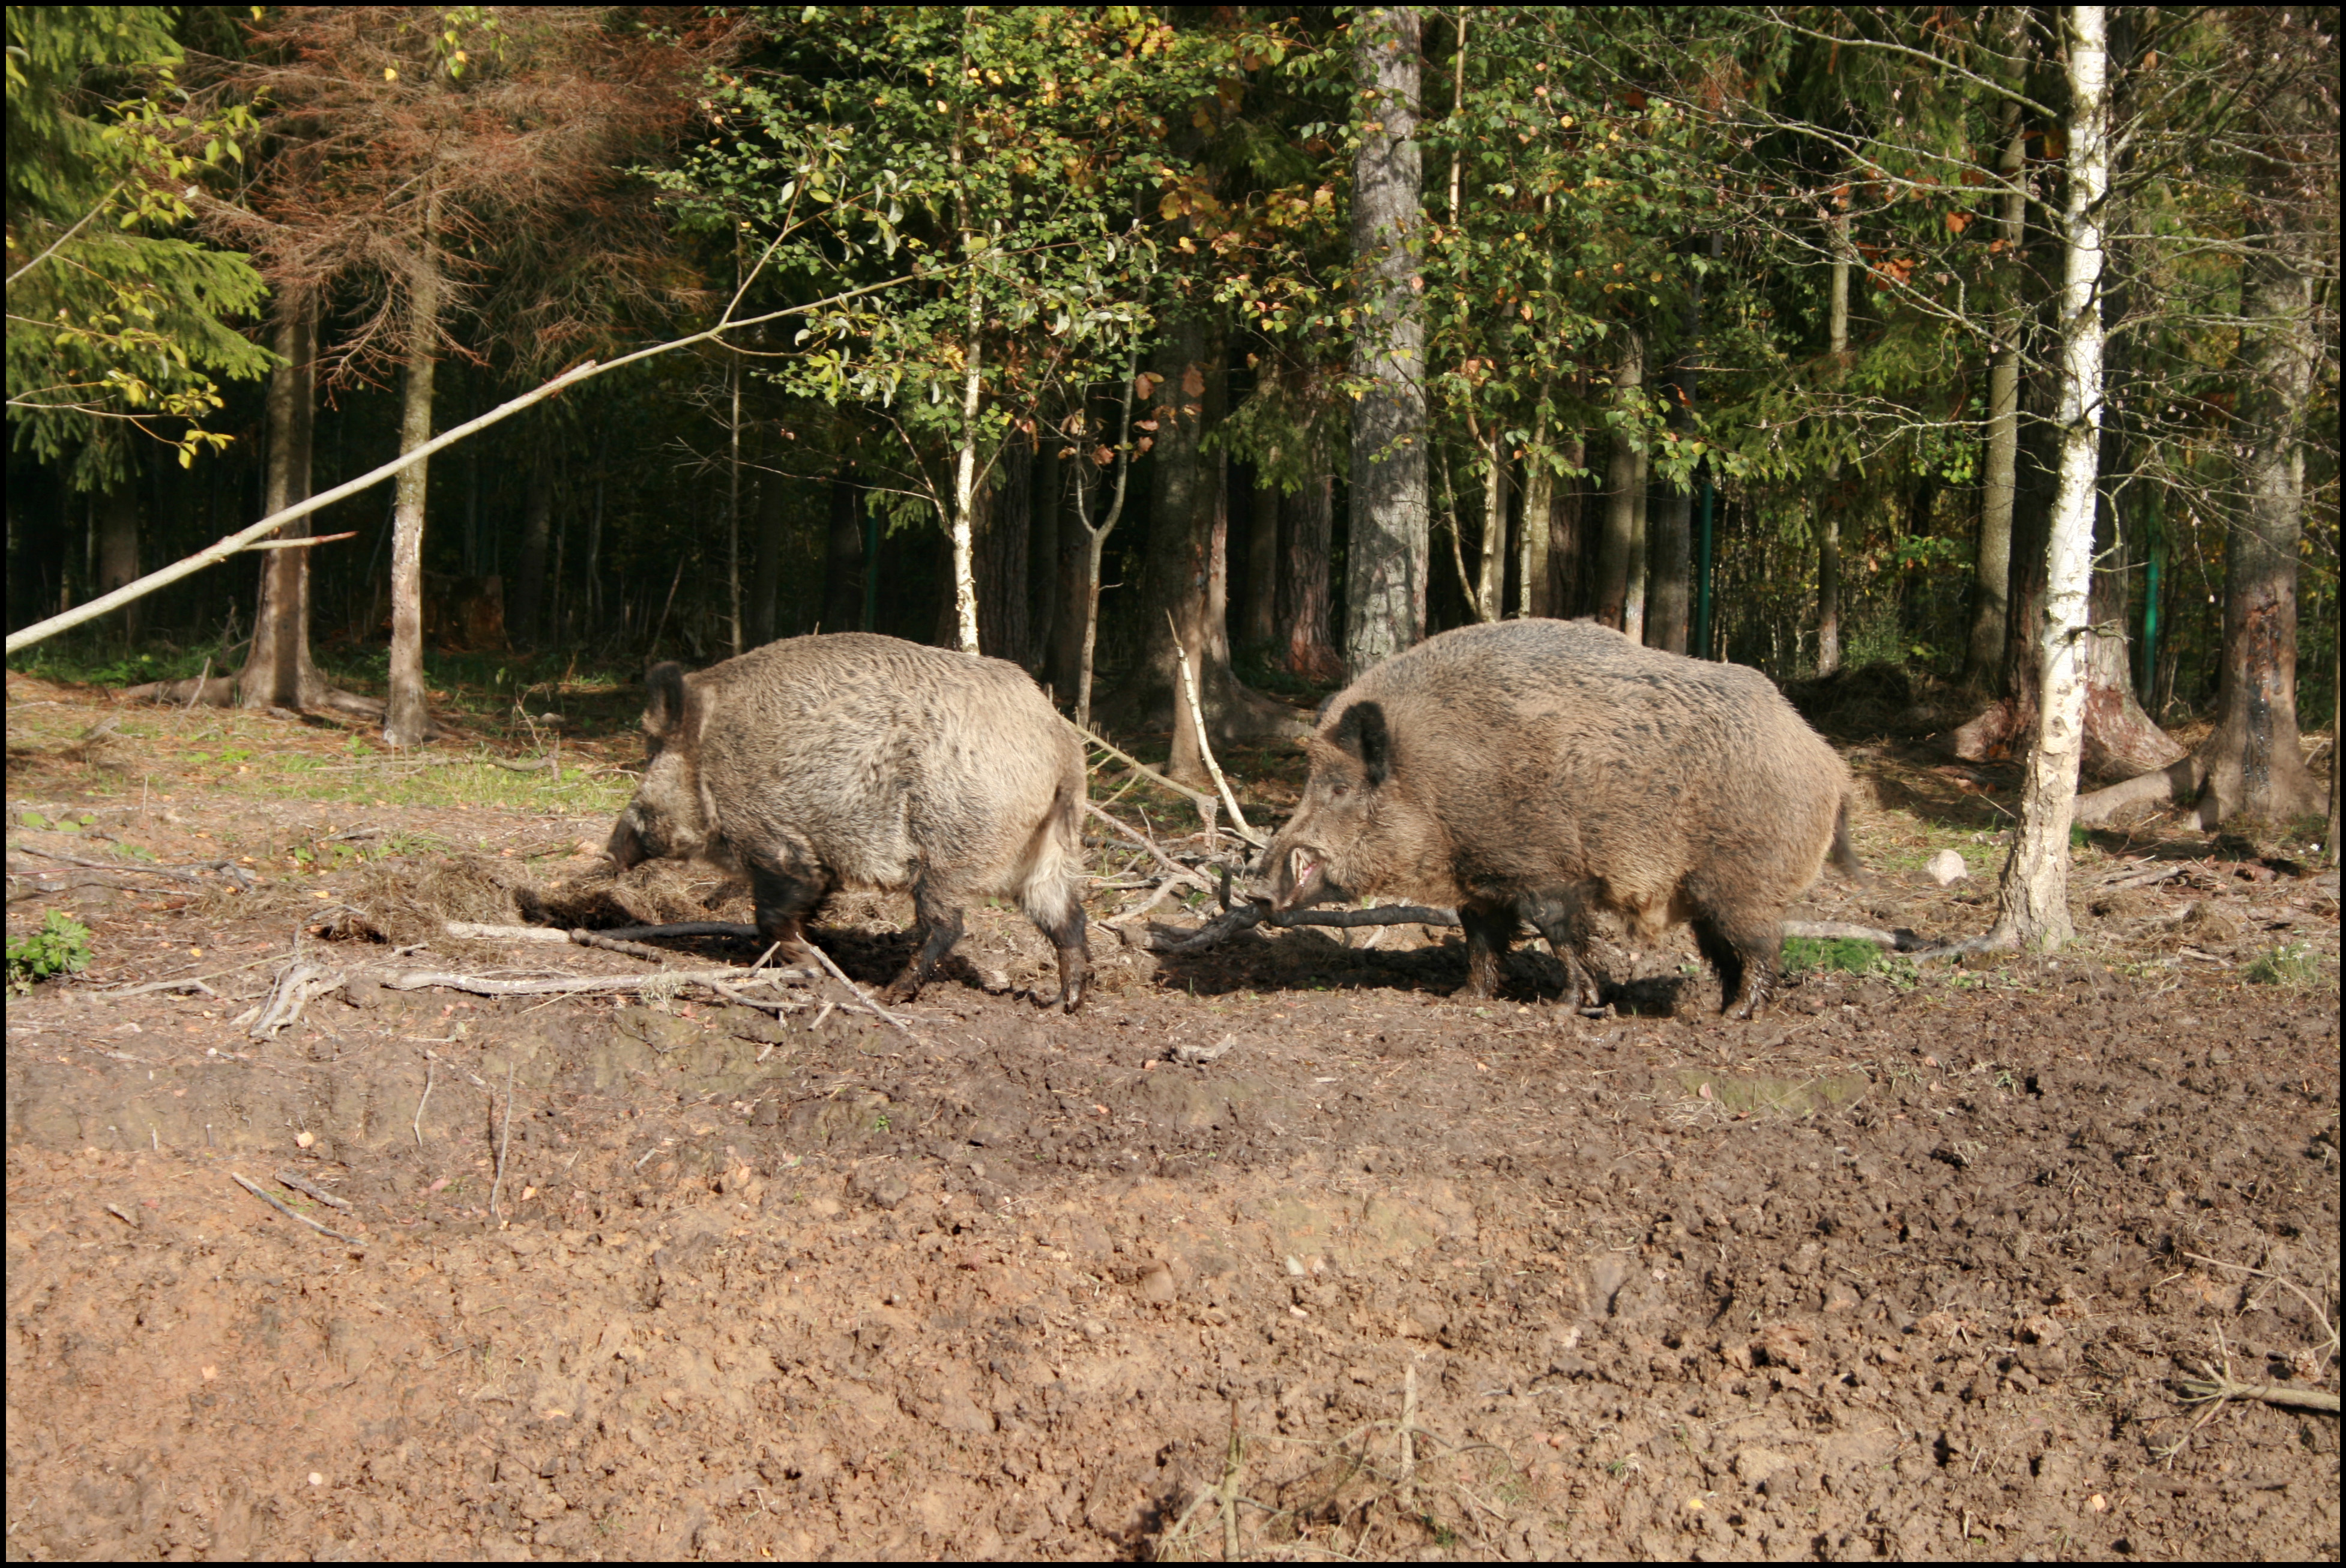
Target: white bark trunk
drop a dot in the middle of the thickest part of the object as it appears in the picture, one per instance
(2032, 904)
(1828, 524)
(965, 491)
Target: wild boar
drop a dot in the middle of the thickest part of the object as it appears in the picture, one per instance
(861, 761)
(1545, 771)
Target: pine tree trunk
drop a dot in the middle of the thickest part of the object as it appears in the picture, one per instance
(1625, 483)
(1306, 607)
(408, 717)
(1002, 577)
(1259, 628)
(843, 565)
(2033, 900)
(277, 672)
(1633, 607)
(1044, 566)
(1991, 583)
(536, 534)
(1386, 558)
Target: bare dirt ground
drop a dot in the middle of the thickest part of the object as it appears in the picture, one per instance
(1921, 1264)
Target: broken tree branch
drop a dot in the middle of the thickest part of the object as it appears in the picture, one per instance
(1898, 941)
(1205, 749)
(869, 1006)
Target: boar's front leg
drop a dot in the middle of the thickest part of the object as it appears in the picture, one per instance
(938, 922)
(1562, 917)
(1743, 949)
(1489, 931)
(784, 902)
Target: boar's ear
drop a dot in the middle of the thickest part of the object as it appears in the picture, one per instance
(1362, 731)
(665, 702)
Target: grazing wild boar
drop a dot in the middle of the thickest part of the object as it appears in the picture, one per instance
(1547, 770)
(862, 761)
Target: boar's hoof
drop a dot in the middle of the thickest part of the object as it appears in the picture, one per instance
(1751, 1001)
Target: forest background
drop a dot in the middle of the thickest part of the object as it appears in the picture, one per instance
(1282, 338)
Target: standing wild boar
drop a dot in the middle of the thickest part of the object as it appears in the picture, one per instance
(861, 761)
(1547, 770)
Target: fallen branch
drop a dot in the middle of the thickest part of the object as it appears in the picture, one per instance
(2198, 1390)
(869, 1006)
(1246, 916)
(471, 932)
(290, 1213)
(294, 990)
(481, 985)
(2156, 874)
(186, 873)
(310, 1189)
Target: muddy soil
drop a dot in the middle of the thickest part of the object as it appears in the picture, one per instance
(1917, 1264)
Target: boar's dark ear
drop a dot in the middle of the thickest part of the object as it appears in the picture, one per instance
(1362, 731)
(664, 699)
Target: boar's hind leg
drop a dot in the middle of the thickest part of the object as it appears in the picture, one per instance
(1488, 932)
(784, 902)
(1743, 951)
(1066, 934)
(938, 924)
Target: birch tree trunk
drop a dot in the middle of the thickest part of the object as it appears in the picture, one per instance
(1386, 560)
(2032, 900)
(1533, 541)
(1992, 574)
(408, 718)
(964, 579)
(1828, 507)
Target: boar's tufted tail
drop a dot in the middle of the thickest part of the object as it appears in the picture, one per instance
(1054, 860)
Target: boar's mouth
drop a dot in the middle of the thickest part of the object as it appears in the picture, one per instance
(1300, 880)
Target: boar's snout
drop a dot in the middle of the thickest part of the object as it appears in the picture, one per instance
(1297, 878)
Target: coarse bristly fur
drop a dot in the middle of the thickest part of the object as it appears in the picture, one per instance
(1545, 771)
(853, 760)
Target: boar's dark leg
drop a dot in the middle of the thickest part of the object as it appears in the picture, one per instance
(1488, 932)
(784, 902)
(939, 925)
(1563, 918)
(1075, 961)
(1743, 951)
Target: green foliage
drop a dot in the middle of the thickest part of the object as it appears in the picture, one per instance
(2293, 963)
(112, 327)
(1804, 953)
(60, 947)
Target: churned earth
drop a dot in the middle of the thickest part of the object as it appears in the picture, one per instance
(1276, 1250)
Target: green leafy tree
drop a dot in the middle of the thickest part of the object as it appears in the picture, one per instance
(115, 324)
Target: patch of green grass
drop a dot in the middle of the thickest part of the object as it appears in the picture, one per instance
(60, 947)
(1803, 953)
(2293, 963)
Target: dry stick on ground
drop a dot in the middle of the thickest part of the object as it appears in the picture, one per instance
(228, 868)
(1205, 751)
(481, 985)
(869, 1005)
(423, 1100)
(290, 1213)
(310, 1189)
(504, 1144)
(1245, 916)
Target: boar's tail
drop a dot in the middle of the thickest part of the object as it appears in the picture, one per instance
(1054, 858)
(1844, 858)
